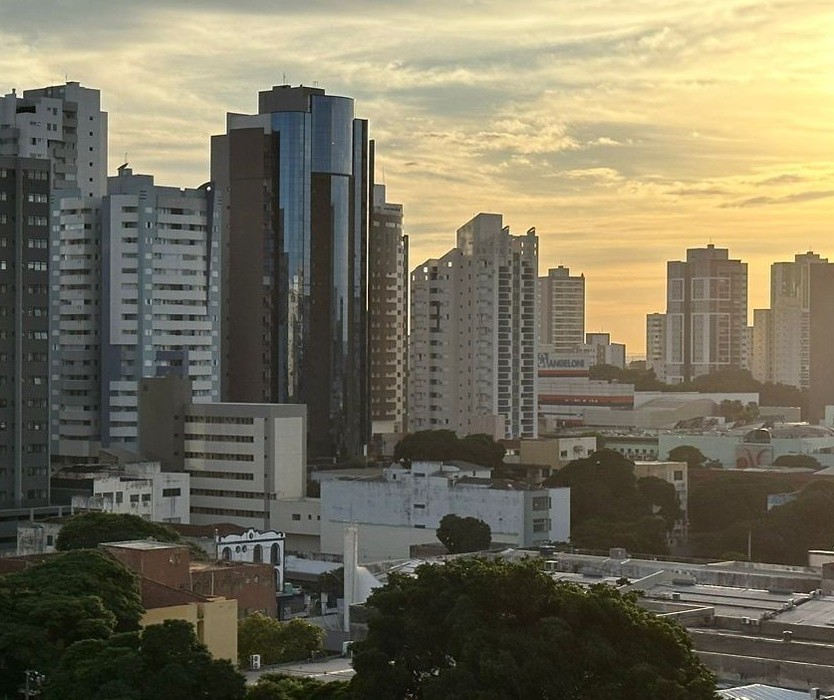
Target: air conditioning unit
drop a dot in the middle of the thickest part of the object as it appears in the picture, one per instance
(255, 661)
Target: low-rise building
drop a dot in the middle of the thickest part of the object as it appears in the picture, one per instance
(398, 507)
(134, 488)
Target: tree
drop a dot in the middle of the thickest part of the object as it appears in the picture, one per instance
(164, 662)
(89, 530)
(276, 686)
(276, 641)
(736, 411)
(464, 534)
(797, 462)
(693, 457)
(472, 628)
(68, 598)
(438, 445)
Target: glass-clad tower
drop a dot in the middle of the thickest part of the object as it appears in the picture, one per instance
(295, 183)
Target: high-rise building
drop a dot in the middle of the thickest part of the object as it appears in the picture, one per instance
(789, 307)
(24, 332)
(656, 344)
(160, 295)
(821, 349)
(295, 180)
(561, 309)
(64, 126)
(472, 354)
(760, 346)
(706, 314)
(387, 315)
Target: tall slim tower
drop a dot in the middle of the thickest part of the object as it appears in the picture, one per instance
(24, 332)
(387, 315)
(295, 178)
(561, 309)
(789, 306)
(472, 348)
(64, 126)
(706, 314)
(821, 349)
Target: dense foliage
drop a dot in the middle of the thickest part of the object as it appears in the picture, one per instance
(477, 629)
(164, 662)
(275, 686)
(693, 457)
(464, 534)
(68, 598)
(277, 642)
(726, 380)
(437, 445)
(611, 507)
(89, 530)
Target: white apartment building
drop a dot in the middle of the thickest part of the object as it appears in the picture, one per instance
(160, 295)
(472, 349)
(134, 488)
(248, 463)
(781, 334)
(404, 506)
(561, 314)
(65, 125)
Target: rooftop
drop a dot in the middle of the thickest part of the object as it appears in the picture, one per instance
(143, 545)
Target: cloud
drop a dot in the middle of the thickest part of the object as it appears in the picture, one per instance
(787, 199)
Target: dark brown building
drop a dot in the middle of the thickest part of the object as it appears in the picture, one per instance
(252, 585)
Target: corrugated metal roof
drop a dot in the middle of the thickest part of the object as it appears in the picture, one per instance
(762, 692)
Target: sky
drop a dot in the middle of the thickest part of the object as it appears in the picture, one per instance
(624, 132)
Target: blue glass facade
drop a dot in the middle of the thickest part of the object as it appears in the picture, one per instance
(314, 231)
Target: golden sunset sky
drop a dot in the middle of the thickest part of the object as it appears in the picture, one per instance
(624, 132)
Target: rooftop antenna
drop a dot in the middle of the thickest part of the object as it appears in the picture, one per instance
(284, 78)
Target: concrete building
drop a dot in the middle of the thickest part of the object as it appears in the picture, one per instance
(24, 336)
(255, 547)
(387, 315)
(167, 594)
(676, 474)
(706, 314)
(295, 179)
(821, 349)
(472, 348)
(64, 126)
(601, 351)
(656, 345)
(401, 507)
(561, 317)
(133, 488)
(781, 334)
(550, 453)
(247, 461)
(160, 295)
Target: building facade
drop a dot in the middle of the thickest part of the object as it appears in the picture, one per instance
(295, 180)
(160, 295)
(706, 314)
(387, 315)
(781, 334)
(656, 345)
(561, 315)
(24, 332)
(821, 349)
(472, 344)
(404, 507)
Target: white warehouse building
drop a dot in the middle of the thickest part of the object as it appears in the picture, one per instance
(402, 507)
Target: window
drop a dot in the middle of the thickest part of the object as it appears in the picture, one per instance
(134, 498)
(168, 493)
(296, 516)
(678, 475)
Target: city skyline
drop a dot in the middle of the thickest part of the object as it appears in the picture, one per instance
(623, 135)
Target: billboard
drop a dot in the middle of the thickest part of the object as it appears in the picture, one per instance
(562, 364)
